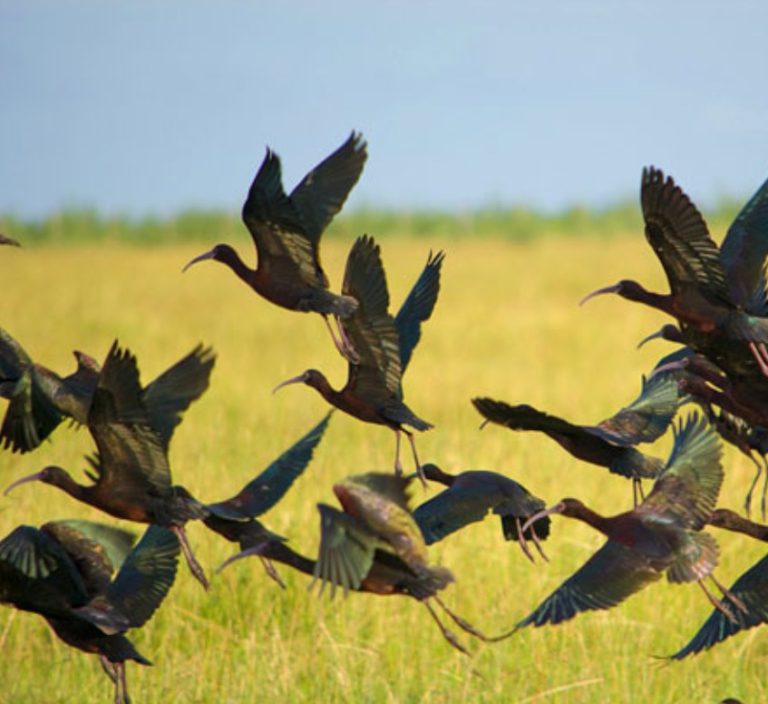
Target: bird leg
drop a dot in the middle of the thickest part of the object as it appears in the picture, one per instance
(761, 356)
(121, 688)
(194, 566)
(398, 466)
(521, 540)
(448, 635)
(536, 542)
(109, 668)
(765, 487)
(271, 571)
(719, 605)
(748, 498)
(729, 594)
(419, 470)
(343, 345)
(468, 627)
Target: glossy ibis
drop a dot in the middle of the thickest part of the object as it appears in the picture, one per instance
(663, 534)
(64, 572)
(373, 392)
(468, 499)
(713, 291)
(286, 231)
(130, 471)
(235, 519)
(4, 239)
(751, 589)
(609, 443)
(40, 398)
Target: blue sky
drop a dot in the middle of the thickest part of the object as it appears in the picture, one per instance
(150, 107)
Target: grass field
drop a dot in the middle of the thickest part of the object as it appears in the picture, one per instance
(507, 324)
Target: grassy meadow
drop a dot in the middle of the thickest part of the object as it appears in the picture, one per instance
(507, 325)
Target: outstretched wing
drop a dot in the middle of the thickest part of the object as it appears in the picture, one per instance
(131, 455)
(30, 417)
(346, 550)
(524, 417)
(648, 416)
(743, 252)
(679, 236)
(322, 192)
(612, 574)
(284, 248)
(263, 492)
(689, 484)
(752, 590)
(451, 510)
(418, 307)
(168, 396)
(371, 329)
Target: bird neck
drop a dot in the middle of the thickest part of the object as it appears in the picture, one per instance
(639, 294)
(228, 256)
(323, 387)
(728, 520)
(587, 515)
(63, 480)
(280, 552)
(438, 475)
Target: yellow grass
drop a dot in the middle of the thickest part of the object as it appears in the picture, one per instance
(507, 325)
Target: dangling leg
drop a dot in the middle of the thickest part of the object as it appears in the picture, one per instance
(271, 571)
(109, 668)
(634, 492)
(761, 356)
(521, 540)
(448, 635)
(416, 458)
(398, 466)
(765, 486)
(717, 604)
(468, 627)
(194, 565)
(343, 345)
(536, 542)
(729, 594)
(748, 498)
(121, 687)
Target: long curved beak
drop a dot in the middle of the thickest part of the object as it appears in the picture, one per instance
(257, 550)
(293, 380)
(557, 508)
(599, 292)
(199, 258)
(658, 335)
(36, 477)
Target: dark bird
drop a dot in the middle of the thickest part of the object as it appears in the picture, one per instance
(663, 534)
(373, 392)
(610, 442)
(717, 295)
(4, 239)
(64, 572)
(286, 231)
(130, 471)
(374, 546)
(235, 519)
(469, 498)
(39, 399)
(751, 589)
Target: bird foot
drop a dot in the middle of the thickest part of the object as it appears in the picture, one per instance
(271, 571)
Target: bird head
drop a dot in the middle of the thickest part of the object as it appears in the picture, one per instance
(48, 475)
(220, 253)
(624, 288)
(566, 507)
(311, 377)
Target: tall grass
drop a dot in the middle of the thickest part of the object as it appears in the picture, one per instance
(506, 325)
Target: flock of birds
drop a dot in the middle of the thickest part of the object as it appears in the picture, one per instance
(92, 584)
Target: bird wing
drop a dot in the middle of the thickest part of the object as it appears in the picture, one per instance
(346, 550)
(612, 574)
(130, 455)
(283, 245)
(679, 236)
(322, 192)
(452, 510)
(13, 357)
(37, 574)
(688, 486)
(168, 396)
(418, 307)
(30, 417)
(371, 329)
(146, 575)
(263, 492)
(524, 417)
(744, 250)
(648, 416)
(752, 589)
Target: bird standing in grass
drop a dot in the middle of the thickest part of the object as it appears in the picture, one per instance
(64, 572)
(661, 535)
(373, 392)
(470, 496)
(286, 231)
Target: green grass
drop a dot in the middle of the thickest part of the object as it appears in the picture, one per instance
(507, 325)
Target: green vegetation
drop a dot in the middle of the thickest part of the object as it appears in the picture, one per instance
(515, 224)
(507, 325)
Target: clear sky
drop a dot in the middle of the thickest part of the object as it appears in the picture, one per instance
(144, 107)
